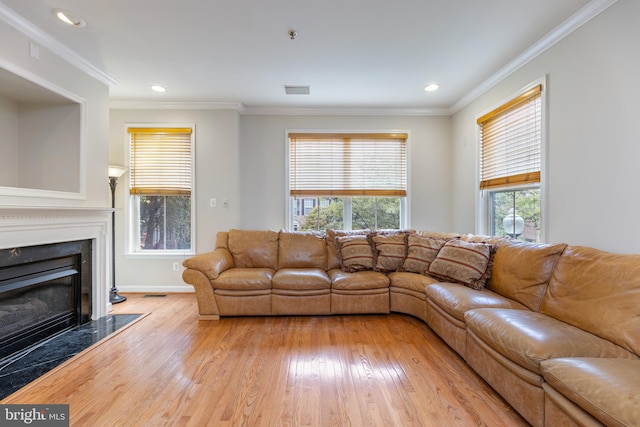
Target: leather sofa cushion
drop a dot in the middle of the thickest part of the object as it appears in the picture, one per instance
(254, 248)
(411, 281)
(222, 239)
(598, 292)
(457, 299)
(301, 279)
(521, 271)
(608, 389)
(527, 337)
(360, 280)
(242, 279)
(302, 250)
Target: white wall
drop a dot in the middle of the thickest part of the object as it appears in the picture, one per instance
(217, 170)
(49, 68)
(9, 114)
(593, 147)
(263, 164)
(49, 147)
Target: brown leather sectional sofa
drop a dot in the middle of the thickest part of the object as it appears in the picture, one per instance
(555, 330)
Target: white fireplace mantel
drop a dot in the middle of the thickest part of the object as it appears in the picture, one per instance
(27, 226)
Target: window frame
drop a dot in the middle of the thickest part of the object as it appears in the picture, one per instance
(132, 214)
(405, 202)
(483, 199)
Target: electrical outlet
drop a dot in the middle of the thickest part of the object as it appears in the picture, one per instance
(225, 203)
(176, 266)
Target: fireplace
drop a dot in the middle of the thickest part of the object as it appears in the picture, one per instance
(44, 290)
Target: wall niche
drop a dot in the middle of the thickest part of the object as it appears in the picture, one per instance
(42, 137)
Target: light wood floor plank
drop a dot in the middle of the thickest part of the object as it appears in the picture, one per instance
(170, 369)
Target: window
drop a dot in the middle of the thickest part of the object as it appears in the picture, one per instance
(510, 164)
(160, 187)
(347, 181)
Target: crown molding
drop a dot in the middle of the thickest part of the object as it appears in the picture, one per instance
(45, 40)
(292, 111)
(577, 20)
(273, 111)
(175, 105)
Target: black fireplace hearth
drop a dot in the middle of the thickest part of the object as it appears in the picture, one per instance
(44, 290)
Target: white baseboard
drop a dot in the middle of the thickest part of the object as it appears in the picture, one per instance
(156, 289)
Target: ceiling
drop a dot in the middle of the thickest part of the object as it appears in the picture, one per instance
(373, 54)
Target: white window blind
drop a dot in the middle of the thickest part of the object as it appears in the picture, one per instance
(348, 165)
(511, 142)
(160, 161)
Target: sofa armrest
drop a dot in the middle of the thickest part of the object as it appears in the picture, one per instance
(211, 263)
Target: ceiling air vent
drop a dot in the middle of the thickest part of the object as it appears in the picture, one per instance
(297, 90)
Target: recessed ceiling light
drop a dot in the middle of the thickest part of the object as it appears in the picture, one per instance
(158, 88)
(431, 87)
(68, 18)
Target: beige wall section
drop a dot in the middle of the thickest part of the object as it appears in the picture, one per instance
(593, 146)
(217, 171)
(263, 164)
(14, 55)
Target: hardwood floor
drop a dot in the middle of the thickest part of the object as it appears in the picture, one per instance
(170, 369)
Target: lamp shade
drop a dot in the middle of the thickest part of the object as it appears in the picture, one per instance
(116, 171)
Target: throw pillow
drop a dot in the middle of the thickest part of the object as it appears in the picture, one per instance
(333, 257)
(389, 251)
(421, 251)
(464, 262)
(355, 253)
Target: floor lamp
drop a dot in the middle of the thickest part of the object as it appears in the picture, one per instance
(115, 172)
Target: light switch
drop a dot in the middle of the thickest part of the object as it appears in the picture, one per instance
(213, 203)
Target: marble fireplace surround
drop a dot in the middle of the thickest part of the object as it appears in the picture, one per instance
(25, 226)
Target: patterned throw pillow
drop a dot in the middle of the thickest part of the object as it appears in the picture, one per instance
(421, 251)
(464, 262)
(355, 253)
(389, 251)
(333, 256)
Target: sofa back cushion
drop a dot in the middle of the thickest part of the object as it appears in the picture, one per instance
(598, 292)
(222, 240)
(521, 271)
(254, 248)
(302, 250)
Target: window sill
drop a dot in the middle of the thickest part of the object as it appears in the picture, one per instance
(159, 255)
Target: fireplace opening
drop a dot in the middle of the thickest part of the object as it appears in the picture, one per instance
(44, 290)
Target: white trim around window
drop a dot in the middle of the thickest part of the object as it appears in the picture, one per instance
(482, 200)
(405, 217)
(130, 214)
